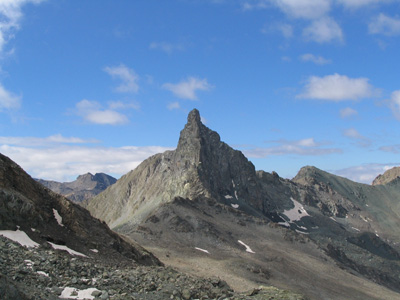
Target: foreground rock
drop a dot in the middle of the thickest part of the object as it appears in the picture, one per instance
(42, 273)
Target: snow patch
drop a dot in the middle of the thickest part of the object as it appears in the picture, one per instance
(284, 224)
(65, 248)
(248, 249)
(73, 293)
(296, 213)
(235, 205)
(356, 229)
(94, 250)
(58, 217)
(19, 237)
(33, 229)
(332, 218)
(302, 232)
(202, 250)
(228, 197)
(42, 273)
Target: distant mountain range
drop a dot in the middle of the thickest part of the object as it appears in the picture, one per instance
(83, 188)
(205, 209)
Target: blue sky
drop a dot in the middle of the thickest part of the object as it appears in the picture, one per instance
(98, 86)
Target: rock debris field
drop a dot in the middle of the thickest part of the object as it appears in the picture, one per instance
(45, 273)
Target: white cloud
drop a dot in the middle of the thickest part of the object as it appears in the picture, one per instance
(385, 25)
(319, 60)
(93, 112)
(348, 112)
(66, 162)
(8, 100)
(323, 30)
(10, 16)
(43, 142)
(173, 105)
(307, 9)
(353, 134)
(128, 77)
(394, 104)
(337, 88)
(166, 47)
(298, 147)
(365, 173)
(186, 89)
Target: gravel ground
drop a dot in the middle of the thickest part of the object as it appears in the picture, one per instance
(43, 273)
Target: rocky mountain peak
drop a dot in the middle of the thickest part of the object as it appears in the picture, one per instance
(389, 176)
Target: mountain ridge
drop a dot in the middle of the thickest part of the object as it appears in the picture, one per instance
(84, 187)
(206, 193)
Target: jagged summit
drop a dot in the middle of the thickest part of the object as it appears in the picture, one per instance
(387, 177)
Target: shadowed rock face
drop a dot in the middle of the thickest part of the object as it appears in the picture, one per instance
(26, 204)
(83, 188)
(387, 177)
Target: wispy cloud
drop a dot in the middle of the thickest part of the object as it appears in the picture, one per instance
(93, 112)
(318, 60)
(173, 105)
(364, 173)
(43, 141)
(337, 88)
(358, 3)
(391, 148)
(186, 89)
(354, 135)
(8, 100)
(306, 9)
(166, 47)
(348, 112)
(385, 25)
(66, 162)
(394, 103)
(298, 147)
(324, 30)
(10, 17)
(128, 77)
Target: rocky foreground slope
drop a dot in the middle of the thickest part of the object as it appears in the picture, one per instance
(205, 209)
(86, 186)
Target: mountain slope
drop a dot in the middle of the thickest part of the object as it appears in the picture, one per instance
(84, 187)
(48, 217)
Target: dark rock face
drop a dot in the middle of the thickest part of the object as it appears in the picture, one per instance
(83, 188)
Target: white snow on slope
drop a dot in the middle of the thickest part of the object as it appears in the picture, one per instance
(73, 293)
(58, 217)
(203, 250)
(65, 248)
(19, 237)
(235, 205)
(296, 213)
(94, 250)
(248, 249)
(42, 273)
(228, 197)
